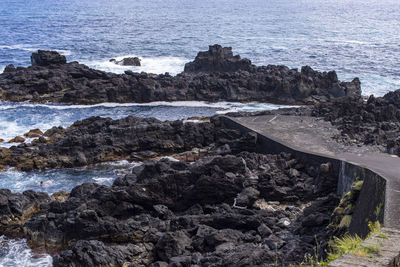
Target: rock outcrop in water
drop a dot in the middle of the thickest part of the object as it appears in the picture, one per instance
(47, 58)
(215, 75)
(218, 59)
(98, 139)
(128, 61)
(374, 122)
(9, 68)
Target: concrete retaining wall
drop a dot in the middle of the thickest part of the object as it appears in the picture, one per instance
(370, 205)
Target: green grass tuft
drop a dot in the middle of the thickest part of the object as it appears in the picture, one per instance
(382, 236)
(345, 222)
(347, 244)
(357, 185)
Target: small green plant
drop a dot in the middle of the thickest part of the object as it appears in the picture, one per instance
(374, 228)
(378, 209)
(346, 244)
(276, 255)
(382, 235)
(343, 245)
(353, 244)
(345, 222)
(357, 185)
(313, 260)
(310, 261)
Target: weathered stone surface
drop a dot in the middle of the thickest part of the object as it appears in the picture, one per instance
(129, 61)
(33, 133)
(46, 58)
(96, 253)
(17, 139)
(16, 208)
(218, 59)
(171, 245)
(9, 68)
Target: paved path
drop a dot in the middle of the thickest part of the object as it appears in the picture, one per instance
(313, 135)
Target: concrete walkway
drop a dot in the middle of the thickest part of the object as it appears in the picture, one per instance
(313, 135)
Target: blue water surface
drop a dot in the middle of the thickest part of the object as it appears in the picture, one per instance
(356, 38)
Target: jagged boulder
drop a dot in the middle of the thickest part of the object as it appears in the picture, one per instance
(16, 208)
(172, 244)
(128, 61)
(218, 58)
(9, 68)
(96, 253)
(46, 58)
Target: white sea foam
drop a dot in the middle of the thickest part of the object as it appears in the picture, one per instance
(55, 180)
(170, 158)
(193, 121)
(103, 180)
(253, 106)
(22, 47)
(121, 164)
(33, 48)
(157, 65)
(14, 122)
(10, 129)
(15, 252)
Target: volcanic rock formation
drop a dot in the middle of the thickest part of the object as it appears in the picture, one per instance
(128, 61)
(234, 210)
(215, 75)
(96, 139)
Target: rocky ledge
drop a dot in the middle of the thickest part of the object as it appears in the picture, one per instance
(96, 139)
(214, 75)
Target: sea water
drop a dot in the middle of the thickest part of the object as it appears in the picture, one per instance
(355, 38)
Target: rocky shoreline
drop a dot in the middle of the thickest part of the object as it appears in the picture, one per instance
(221, 204)
(230, 207)
(214, 75)
(215, 201)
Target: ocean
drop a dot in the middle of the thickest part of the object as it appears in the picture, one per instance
(355, 38)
